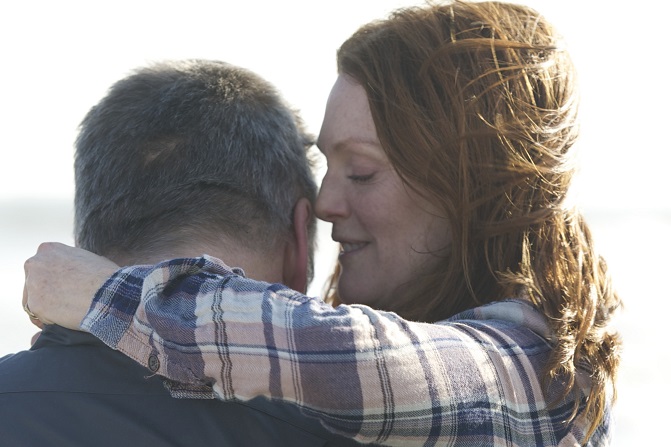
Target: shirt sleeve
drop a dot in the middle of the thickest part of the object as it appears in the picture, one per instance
(365, 374)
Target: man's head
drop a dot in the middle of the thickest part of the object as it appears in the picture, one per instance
(186, 152)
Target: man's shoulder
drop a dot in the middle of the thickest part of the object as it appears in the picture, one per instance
(83, 392)
(66, 361)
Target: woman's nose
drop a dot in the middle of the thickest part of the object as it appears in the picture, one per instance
(331, 204)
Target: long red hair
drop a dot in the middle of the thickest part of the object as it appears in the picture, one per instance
(475, 105)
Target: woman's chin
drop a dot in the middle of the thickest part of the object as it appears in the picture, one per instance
(357, 292)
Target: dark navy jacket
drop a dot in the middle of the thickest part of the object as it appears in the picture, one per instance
(70, 389)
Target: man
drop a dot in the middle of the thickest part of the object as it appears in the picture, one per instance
(179, 159)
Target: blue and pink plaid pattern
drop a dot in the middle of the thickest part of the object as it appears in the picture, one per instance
(472, 380)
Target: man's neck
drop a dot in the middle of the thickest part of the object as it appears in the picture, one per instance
(260, 266)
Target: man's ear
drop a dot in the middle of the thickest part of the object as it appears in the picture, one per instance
(296, 250)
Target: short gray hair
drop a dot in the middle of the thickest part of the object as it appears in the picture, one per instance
(189, 146)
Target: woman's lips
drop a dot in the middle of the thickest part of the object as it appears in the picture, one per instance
(347, 248)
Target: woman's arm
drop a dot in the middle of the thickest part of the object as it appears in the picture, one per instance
(198, 323)
(366, 374)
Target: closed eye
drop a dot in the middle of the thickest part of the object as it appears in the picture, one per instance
(361, 178)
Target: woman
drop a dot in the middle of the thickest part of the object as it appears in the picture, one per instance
(448, 136)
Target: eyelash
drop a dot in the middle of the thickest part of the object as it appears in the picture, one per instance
(361, 178)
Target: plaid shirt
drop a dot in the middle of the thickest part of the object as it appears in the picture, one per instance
(471, 380)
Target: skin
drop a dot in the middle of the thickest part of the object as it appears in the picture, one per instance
(385, 230)
(58, 270)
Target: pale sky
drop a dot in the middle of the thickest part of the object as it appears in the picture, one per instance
(60, 57)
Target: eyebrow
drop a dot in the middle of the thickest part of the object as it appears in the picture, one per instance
(351, 141)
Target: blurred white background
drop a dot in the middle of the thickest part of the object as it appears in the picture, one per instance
(59, 58)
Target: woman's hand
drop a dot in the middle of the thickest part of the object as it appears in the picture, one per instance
(61, 282)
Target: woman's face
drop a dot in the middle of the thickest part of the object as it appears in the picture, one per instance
(385, 230)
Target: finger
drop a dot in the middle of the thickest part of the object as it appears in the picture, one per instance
(26, 267)
(24, 302)
(37, 322)
(34, 338)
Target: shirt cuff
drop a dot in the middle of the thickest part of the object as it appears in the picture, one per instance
(115, 304)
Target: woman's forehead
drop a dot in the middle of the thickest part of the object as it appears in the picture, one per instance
(347, 116)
